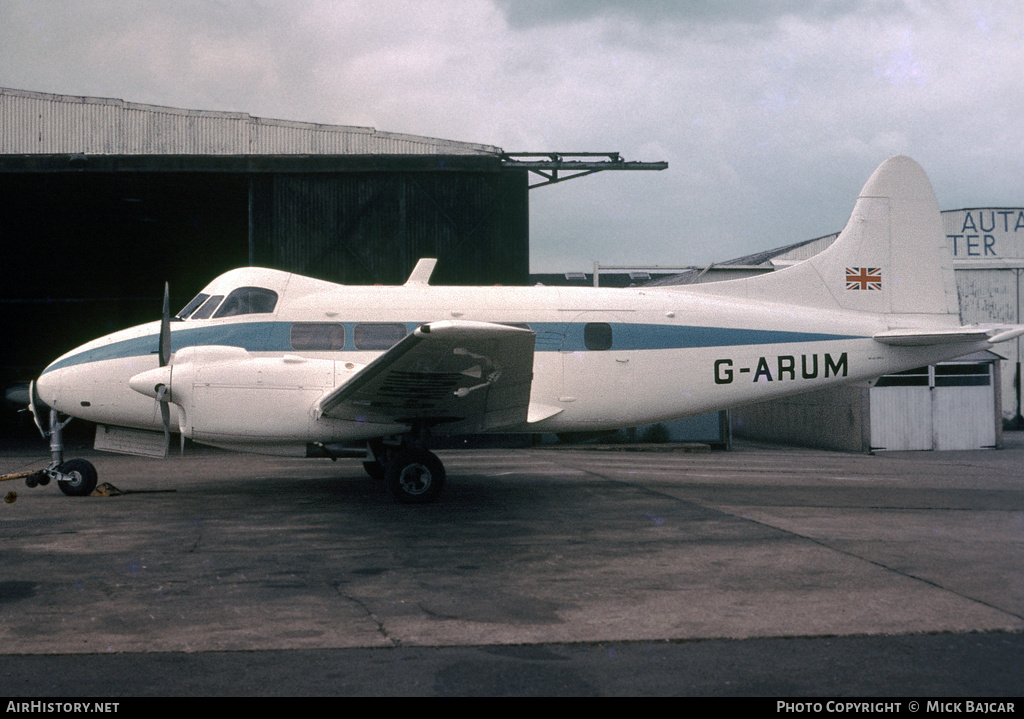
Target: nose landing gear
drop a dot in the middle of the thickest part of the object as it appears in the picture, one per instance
(75, 477)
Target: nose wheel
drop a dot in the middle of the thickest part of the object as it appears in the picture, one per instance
(76, 477)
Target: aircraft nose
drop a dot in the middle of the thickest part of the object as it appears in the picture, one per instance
(48, 388)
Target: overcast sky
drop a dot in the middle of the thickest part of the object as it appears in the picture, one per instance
(770, 113)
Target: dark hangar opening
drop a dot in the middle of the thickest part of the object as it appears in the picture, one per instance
(90, 240)
(372, 222)
(88, 253)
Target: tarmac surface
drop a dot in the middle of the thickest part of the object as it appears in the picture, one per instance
(763, 571)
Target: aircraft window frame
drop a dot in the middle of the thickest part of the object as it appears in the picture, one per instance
(598, 336)
(378, 335)
(247, 301)
(207, 308)
(317, 336)
(192, 306)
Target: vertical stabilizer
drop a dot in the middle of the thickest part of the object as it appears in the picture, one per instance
(891, 258)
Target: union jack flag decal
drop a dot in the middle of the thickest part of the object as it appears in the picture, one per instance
(863, 278)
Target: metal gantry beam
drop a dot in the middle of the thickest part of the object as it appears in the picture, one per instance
(551, 165)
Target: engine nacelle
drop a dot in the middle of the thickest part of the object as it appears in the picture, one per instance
(227, 395)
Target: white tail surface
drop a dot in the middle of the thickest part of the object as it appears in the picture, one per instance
(890, 259)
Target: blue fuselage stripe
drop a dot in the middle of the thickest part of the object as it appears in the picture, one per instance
(551, 337)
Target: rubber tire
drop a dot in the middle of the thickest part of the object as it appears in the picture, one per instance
(84, 478)
(414, 476)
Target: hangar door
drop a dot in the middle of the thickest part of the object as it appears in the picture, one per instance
(941, 407)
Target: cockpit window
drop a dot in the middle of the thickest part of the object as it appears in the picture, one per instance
(191, 306)
(208, 307)
(247, 301)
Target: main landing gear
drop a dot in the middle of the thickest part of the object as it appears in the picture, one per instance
(411, 473)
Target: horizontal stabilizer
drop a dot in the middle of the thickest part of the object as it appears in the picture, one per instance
(1006, 333)
(953, 335)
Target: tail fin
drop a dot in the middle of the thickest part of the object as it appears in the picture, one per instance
(891, 259)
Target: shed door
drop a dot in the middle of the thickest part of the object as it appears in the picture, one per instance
(944, 407)
(963, 406)
(901, 411)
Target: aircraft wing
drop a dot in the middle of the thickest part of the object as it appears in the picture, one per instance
(455, 375)
(978, 333)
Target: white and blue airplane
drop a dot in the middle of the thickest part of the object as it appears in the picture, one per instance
(270, 362)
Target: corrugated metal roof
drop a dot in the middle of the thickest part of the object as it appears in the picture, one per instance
(37, 122)
(981, 232)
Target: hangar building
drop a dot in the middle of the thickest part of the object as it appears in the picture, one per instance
(105, 200)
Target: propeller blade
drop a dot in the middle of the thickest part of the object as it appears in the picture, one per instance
(165, 413)
(165, 328)
(38, 408)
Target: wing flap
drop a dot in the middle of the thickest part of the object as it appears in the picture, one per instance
(464, 376)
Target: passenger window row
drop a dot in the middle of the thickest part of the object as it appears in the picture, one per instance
(330, 336)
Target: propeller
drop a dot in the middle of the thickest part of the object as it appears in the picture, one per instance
(157, 382)
(165, 327)
(163, 390)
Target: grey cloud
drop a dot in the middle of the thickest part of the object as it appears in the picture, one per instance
(700, 14)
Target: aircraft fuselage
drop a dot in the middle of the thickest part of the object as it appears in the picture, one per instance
(603, 358)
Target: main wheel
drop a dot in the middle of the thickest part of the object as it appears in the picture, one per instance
(414, 476)
(81, 478)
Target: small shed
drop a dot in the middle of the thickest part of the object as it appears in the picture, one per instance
(928, 408)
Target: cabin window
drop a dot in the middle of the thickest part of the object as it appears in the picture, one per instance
(318, 336)
(378, 335)
(597, 336)
(208, 307)
(191, 306)
(247, 301)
